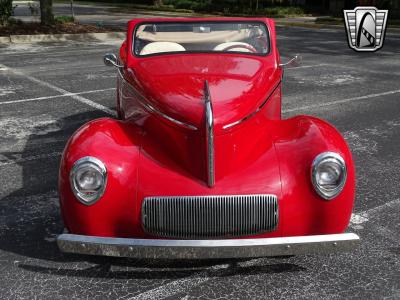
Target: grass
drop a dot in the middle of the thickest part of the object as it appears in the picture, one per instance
(126, 8)
(64, 19)
(394, 23)
(281, 11)
(329, 21)
(19, 28)
(168, 8)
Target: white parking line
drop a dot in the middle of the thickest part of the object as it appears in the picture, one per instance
(62, 91)
(45, 69)
(55, 96)
(308, 66)
(362, 217)
(357, 220)
(324, 104)
(178, 286)
(19, 49)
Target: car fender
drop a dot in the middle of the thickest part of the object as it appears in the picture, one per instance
(298, 141)
(116, 144)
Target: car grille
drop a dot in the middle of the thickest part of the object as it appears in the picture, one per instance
(192, 217)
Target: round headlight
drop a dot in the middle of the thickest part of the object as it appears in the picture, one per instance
(328, 174)
(88, 179)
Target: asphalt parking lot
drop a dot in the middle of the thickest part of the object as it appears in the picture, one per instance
(48, 91)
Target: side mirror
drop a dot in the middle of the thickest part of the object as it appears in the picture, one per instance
(294, 62)
(111, 60)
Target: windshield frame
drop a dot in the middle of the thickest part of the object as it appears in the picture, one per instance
(267, 30)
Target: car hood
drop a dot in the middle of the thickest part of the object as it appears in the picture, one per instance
(174, 84)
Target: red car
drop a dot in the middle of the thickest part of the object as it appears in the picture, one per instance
(199, 163)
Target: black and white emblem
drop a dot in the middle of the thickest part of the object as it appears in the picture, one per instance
(365, 27)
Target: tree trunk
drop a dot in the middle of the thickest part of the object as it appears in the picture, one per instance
(72, 10)
(158, 2)
(46, 12)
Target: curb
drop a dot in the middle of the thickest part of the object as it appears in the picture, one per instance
(305, 25)
(43, 38)
(390, 30)
(5, 40)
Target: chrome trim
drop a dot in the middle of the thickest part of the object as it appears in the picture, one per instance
(199, 217)
(152, 109)
(207, 249)
(254, 112)
(79, 196)
(325, 194)
(294, 62)
(209, 136)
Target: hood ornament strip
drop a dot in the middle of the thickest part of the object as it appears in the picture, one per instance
(209, 136)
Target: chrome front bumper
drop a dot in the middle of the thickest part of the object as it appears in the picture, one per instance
(207, 249)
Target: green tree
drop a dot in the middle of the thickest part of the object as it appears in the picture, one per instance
(46, 12)
(6, 10)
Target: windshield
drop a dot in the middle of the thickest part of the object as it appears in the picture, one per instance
(239, 37)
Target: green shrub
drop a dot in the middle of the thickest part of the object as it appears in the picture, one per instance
(229, 7)
(201, 6)
(64, 19)
(14, 21)
(195, 5)
(6, 11)
(183, 4)
(279, 11)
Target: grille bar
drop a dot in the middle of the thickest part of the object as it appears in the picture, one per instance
(197, 217)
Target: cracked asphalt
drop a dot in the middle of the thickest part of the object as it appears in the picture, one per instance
(48, 90)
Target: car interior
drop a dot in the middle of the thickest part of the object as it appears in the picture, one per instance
(159, 38)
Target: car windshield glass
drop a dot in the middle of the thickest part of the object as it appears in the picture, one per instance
(238, 37)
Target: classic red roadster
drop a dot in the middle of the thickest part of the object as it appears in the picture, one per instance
(199, 162)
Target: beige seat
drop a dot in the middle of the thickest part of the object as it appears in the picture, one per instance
(159, 47)
(231, 47)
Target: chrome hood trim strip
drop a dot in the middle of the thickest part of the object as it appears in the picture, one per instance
(209, 136)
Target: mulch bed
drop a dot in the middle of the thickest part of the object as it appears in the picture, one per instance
(37, 28)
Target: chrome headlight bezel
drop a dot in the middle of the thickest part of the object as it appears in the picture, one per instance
(328, 157)
(96, 165)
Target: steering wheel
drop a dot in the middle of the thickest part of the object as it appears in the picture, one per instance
(247, 46)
